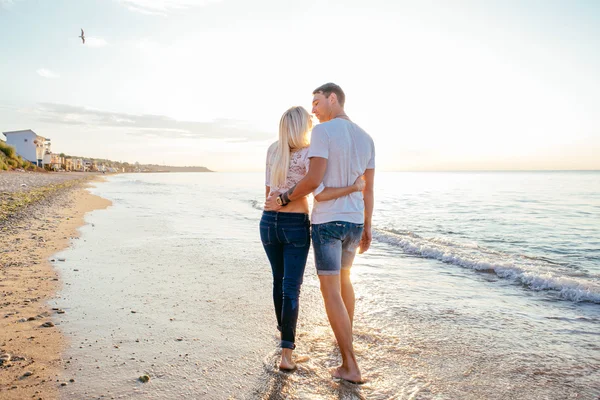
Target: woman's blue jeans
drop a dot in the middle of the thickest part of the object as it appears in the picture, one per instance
(286, 239)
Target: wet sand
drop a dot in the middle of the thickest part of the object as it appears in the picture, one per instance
(30, 345)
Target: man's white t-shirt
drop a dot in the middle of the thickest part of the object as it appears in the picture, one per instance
(349, 151)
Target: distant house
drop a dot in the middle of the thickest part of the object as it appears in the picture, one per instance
(55, 161)
(78, 164)
(69, 166)
(29, 145)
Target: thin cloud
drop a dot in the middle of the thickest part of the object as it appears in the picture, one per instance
(162, 7)
(145, 11)
(46, 73)
(6, 3)
(149, 126)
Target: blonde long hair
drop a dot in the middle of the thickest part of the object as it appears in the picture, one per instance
(294, 133)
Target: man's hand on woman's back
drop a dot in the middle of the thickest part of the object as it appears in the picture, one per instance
(271, 202)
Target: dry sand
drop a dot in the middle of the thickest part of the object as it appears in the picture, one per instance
(27, 282)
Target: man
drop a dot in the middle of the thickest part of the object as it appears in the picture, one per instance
(340, 152)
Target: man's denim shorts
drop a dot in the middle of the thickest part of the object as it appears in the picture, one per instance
(335, 245)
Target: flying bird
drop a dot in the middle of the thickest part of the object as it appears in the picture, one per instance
(82, 36)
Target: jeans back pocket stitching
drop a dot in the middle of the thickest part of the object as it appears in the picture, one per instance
(289, 242)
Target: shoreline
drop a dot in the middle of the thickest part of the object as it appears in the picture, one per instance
(31, 235)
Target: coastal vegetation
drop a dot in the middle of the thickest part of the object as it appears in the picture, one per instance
(11, 203)
(9, 160)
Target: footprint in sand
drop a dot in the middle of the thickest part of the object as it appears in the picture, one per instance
(301, 359)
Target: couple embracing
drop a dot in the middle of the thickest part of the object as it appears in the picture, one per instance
(336, 163)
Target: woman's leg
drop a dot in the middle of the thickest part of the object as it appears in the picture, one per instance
(295, 253)
(287, 243)
(275, 255)
(274, 251)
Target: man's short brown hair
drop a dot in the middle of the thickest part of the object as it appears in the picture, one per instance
(329, 88)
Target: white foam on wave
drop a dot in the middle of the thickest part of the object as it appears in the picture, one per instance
(257, 205)
(535, 274)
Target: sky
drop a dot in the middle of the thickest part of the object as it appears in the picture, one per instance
(439, 85)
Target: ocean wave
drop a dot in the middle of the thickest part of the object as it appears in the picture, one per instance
(145, 183)
(534, 273)
(257, 205)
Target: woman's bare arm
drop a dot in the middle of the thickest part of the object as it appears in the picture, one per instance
(330, 193)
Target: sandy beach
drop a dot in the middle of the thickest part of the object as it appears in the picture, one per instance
(40, 215)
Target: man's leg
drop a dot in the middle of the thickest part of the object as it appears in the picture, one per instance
(341, 325)
(348, 294)
(327, 244)
(349, 245)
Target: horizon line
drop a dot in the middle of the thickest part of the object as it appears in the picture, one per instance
(466, 170)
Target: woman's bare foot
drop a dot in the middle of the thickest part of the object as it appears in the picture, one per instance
(286, 363)
(349, 376)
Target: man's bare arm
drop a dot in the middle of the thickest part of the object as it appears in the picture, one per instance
(311, 181)
(307, 185)
(369, 199)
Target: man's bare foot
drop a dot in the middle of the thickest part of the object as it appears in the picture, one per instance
(349, 376)
(286, 363)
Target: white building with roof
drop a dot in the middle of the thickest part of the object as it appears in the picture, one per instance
(29, 145)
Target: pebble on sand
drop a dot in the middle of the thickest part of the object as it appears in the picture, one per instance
(144, 378)
(48, 324)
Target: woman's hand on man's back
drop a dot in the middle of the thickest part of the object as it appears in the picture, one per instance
(360, 183)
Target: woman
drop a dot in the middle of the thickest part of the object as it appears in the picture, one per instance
(286, 234)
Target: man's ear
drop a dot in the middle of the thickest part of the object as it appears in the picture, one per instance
(333, 98)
